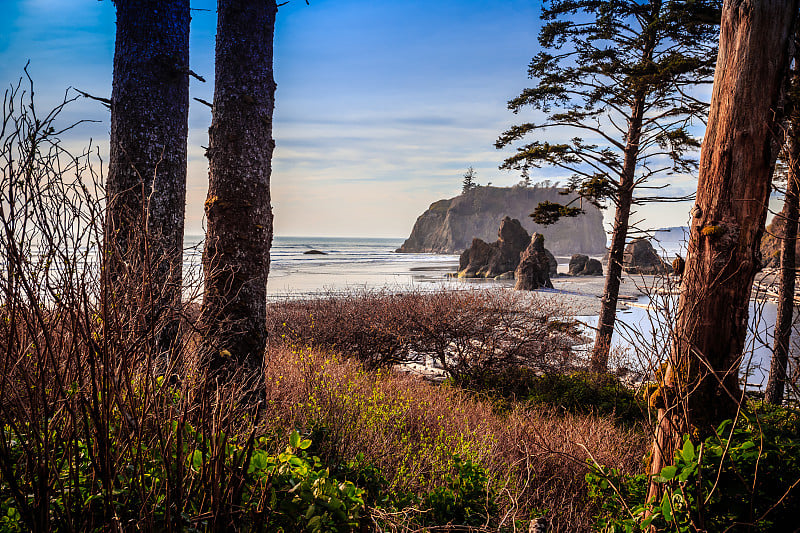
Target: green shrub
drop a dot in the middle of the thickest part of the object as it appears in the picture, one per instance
(467, 498)
(289, 491)
(743, 478)
(578, 392)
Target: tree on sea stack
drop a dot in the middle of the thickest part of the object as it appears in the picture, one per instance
(620, 76)
(700, 385)
(146, 183)
(238, 210)
(469, 181)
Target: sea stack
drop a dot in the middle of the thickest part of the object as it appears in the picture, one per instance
(449, 226)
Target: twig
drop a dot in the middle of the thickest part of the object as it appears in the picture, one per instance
(105, 101)
(204, 102)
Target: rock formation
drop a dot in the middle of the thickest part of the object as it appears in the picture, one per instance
(641, 258)
(491, 260)
(533, 271)
(771, 243)
(553, 263)
(583, 265)
(448, 226)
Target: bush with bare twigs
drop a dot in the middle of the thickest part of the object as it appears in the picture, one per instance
(467, 333)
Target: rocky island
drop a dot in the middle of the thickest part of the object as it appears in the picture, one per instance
(449, 226)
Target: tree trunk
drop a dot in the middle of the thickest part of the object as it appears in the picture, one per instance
(238, 211)
(700, 385)
(608, 310)
(146, 184)
(783, 324)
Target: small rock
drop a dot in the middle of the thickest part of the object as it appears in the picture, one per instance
(583, 265)
(314, 252)
(577, 263)
(641, 258)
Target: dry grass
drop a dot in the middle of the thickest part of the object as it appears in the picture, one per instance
(410, 430)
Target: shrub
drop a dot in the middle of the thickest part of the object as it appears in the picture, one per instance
(408, 433)
(743, 478)
(468, 333)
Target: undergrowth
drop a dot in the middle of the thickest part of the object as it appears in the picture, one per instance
(744, 477)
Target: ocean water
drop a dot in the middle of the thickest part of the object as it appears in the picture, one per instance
(349, 264)
(354, 264)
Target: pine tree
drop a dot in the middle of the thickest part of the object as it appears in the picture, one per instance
(146, 183)
(238, 210)
(774, 390)
(469, 180)
(619, 75)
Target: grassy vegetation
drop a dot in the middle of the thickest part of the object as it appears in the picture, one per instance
(88, 444)
(100, 431)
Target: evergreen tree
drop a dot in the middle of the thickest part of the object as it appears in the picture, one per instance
(701, 382)
(238, 210)
(526, 178)
(469, 180)
(620, 75)
(146, 183)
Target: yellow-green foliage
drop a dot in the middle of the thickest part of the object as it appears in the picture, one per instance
(413, 442)
(412, 431)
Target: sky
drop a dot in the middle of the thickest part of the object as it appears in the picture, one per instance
(381, 104)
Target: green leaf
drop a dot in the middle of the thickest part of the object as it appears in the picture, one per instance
(196, 460)
(668, 472)
(688, 451)
(304, 444)
(294, 439)
(687, 472)
(666, 507)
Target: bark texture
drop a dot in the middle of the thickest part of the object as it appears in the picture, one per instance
(700, 385)
(608, 309)
(146, 184)
(788, 271)
(238, 211)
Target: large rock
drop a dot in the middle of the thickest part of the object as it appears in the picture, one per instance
(641, 258)
(448, 226)
(491, 260)
(771, 242)
(583, 265)
(553, 262)
(533, 271)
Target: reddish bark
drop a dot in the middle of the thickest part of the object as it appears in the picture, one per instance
(700, 386)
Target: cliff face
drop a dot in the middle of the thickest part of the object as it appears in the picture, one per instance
(448, 226)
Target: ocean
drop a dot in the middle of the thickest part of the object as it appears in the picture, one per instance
(356, 264)
(349, 264)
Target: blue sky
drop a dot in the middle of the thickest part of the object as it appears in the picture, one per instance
(381, 105)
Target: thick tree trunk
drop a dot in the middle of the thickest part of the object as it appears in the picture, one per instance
(608, 310)
(238, 211)
(146, 184)
(783, 324)
(700, 386)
